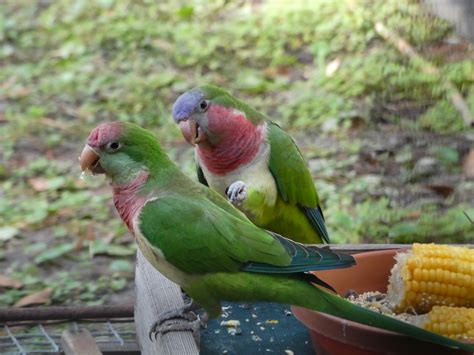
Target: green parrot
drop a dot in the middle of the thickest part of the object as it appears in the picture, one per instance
(197, 239)
(240, 153)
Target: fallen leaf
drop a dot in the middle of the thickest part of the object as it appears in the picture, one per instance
(54, 253)
(54, 123)
(413, 214)
(66, 212)
(42, 184)
(90, 234)
(468, 164)
(99, 247)
(332, 66)
(442, 190)
(49, 154)
(37, 298)
(19, 92)
(79, 245)
(270, 72)
(357, 123)
(39, 184)
(9, 283)
(283, 69)
(7, 233)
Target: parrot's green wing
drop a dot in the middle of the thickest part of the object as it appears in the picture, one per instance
(200, 174)
(292, 176)
(288, 166)
(304, 258)
(215, 240)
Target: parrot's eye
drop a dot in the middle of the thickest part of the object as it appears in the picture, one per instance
(113, 146)
(203, 105)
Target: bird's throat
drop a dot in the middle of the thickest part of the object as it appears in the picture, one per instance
(127, 198)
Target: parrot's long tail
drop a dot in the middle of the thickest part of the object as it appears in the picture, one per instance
(299, 290)
(335, 305)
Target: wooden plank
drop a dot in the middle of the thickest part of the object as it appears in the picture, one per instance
(79, 342)
(156, 294)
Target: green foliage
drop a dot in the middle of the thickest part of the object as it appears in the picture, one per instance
(449, 227)
(442, 117)
(128, 60)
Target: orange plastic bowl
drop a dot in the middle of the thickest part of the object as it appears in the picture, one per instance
(336, 336)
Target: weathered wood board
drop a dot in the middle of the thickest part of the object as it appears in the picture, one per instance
(156, 294)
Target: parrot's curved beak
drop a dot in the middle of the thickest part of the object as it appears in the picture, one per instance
(89, 160)
(191, 131)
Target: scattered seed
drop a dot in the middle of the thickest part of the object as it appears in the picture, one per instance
(234, 331)
(230, 323)
(272, 321)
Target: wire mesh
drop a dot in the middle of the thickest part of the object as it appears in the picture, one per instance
(45, 338)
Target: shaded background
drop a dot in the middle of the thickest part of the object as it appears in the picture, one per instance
(390, 155)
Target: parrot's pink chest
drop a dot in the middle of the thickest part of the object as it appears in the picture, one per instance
(127, 200)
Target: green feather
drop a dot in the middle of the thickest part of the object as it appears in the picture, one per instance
(217, 240)
(222, 97)
(294, 181)
(293, 178)
(200, 175)
(316, 218)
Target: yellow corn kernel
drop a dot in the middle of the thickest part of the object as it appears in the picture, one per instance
(430, 275)
(454, 322)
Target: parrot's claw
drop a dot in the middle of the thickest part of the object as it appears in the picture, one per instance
(179, 319)
(177, 325)
(189, 321)
(236, 192)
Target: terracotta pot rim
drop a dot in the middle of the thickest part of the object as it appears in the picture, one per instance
(333, 319)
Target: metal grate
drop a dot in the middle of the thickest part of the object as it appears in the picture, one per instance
(112, 337)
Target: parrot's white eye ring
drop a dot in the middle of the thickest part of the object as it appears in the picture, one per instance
(203, 105)
(113, 146)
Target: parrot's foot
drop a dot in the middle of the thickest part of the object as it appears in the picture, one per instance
(180, 319)
(236, 192)
(192, 323)
(179, 325)
(185, 313)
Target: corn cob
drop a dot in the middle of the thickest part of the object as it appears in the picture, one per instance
(453, 322)
(430, 275)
